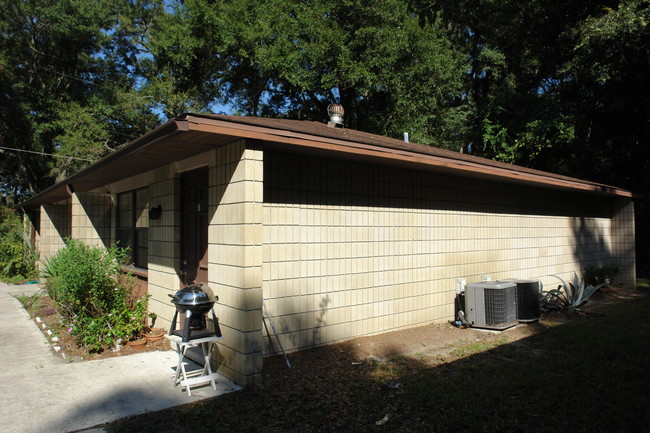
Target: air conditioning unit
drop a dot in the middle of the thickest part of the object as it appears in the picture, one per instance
(491, 305)
(528, 307)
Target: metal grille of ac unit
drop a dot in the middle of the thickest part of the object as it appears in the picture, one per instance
(528, 307)
(491, 305)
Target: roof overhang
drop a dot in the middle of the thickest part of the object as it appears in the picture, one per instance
(191, 134)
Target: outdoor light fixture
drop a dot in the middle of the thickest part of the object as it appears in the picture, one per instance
(154, 212)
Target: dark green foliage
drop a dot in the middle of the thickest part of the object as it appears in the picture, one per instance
(292, 59)
(66, 88)
(558, 86)
(555, 85)
(595, 275)
(94, 295)
(17, 254)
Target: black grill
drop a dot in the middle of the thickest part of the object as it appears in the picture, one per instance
(194, 303)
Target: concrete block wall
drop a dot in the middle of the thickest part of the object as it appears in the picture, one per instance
(235, 258)
(54, 228)
(623, 241)
(164, 244)
(352, 249)
(92, 215)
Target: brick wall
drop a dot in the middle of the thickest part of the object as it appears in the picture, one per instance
(235, 258)
(54, 228)
(92, 218)
(164, 244)
(352, 249)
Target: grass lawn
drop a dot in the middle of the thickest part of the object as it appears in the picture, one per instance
(587, 374)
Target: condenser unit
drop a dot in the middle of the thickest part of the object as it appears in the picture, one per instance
(491, 305)
(528, 306)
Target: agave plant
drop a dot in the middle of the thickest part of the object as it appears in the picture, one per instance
(568, 296)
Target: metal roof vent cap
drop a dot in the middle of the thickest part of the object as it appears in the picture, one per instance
(335, 111)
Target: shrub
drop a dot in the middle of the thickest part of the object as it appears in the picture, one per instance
(595, 275)
(94, 295)
(17, 254)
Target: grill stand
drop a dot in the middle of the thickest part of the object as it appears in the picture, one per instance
(189, 379)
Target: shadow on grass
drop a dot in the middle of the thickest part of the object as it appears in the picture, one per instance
(588, 374)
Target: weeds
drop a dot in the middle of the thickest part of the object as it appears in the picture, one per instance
(30, 303)
(468, 349)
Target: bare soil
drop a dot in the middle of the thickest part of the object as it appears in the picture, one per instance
(69, 349)
(432, 344)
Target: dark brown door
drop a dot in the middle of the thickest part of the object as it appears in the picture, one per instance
(194, 236)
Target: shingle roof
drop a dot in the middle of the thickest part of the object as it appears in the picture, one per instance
(191, 134)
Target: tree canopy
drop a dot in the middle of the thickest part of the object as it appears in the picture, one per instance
(560, 86)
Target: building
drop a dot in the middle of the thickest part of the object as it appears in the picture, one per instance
(340, 232)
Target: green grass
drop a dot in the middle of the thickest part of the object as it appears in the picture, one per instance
(589, 374)
(467, 349)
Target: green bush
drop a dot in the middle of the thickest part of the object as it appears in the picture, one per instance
(595, 275)
(94, 295)
(17, 254)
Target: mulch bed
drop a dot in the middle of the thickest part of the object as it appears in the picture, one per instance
(66, 346)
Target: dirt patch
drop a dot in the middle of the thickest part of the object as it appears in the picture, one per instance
(431, 344)
(64, 345)
(438, 343)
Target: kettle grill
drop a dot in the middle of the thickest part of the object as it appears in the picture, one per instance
(194, 303)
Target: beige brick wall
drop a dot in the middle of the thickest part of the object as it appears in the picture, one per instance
(164, 244)
(235, 258)
(54, 228)
(92, 218)
(352, 249)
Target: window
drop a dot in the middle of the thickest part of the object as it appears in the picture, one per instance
(133, 224)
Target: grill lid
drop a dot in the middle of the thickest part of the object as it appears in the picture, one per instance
(194, 295)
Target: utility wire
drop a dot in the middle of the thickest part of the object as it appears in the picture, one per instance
(43, 153)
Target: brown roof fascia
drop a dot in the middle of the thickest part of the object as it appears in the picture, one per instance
(63, 189)
(510, 174)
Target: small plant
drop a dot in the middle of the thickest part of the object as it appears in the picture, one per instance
(568, 296)
(30, 303)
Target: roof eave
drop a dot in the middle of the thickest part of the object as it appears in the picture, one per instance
(63, 189)
(282, 138)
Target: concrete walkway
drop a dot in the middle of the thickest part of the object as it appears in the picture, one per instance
(41, 392)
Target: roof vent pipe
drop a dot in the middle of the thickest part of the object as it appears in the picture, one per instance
(335, 111)
(406, 137)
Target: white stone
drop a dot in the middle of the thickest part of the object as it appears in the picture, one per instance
(49, 332)
(56, 348)
(55, 338)
(38, 319)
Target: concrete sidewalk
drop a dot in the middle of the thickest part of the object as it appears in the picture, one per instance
(41, 392)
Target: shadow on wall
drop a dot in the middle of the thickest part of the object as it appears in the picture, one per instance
(98, 208)
(60, 219)
(592, 247)
(294, 179)
(296, 327)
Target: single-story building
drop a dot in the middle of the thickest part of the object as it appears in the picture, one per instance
(341, 233)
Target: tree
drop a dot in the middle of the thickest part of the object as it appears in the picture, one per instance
(60, 90)
(293, 59)
(559, 86)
